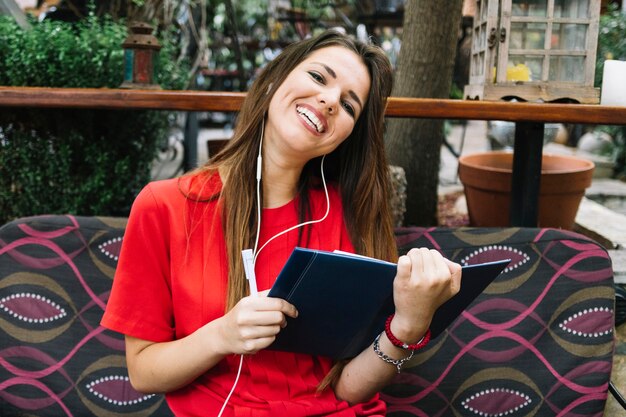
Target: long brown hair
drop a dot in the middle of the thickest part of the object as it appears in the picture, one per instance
(358, 166)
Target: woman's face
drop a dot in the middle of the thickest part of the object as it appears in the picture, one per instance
(316, 107)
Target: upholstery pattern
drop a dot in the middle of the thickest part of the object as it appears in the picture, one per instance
(538, 342)
(55, 359)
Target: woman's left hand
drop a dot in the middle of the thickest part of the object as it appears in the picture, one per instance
(424, 281)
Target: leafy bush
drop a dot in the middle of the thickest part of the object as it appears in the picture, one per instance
(87, 54)
(611, 40)
(612, 45)
(86, 162)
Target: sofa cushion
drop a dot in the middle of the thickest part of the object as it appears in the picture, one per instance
(539, 341)
(55, 277)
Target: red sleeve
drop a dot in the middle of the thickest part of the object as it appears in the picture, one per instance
(140, 304)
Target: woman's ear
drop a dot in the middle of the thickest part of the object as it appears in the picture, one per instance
(269, 88)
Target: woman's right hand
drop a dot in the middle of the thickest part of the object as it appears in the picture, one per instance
(253, 323)
(249, 327)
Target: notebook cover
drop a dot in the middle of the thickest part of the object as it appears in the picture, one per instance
(343, 300)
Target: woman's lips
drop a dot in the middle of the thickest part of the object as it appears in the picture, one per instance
(311, 118)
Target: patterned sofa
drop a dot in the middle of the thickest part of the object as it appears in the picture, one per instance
(538, 342)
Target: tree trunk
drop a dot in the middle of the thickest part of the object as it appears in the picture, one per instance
(425, 65)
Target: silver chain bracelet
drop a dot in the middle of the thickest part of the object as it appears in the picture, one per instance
(396, 362)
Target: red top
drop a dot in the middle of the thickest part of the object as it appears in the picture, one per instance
(172, 277)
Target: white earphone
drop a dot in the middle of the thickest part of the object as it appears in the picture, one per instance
(249, 257)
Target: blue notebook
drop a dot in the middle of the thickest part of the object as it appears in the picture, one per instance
(343, 300)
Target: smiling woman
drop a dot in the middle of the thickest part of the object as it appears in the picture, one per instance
(306, 167)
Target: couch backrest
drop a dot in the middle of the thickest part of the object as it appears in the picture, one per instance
(538, 342)
(55, 277)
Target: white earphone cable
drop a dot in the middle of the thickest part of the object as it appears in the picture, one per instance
(233, 388)
(259, 162)
(258, 232)
(301, 224)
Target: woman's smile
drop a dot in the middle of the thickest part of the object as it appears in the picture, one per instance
(312, 119)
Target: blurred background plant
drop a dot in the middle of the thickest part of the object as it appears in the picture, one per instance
(225, 41)
(612, 45)
(73, 160)
(611, 39)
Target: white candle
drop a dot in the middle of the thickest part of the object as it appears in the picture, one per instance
(614, 83)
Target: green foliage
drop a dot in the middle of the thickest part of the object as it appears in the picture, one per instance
(87, 54)
(80, 161)
(84, 162)
(170, 73)
(612, 45)
(261, 34)
(611, 40)
(55, 54)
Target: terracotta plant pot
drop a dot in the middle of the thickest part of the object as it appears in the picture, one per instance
(486, 179)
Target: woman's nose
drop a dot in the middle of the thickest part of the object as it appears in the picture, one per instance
(329, 101)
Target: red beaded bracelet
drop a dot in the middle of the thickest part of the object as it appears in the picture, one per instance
(397, 342)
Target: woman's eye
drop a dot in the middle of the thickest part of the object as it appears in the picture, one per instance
(316, 76)
(348, 107)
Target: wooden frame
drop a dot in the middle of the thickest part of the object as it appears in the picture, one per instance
(500, 54)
